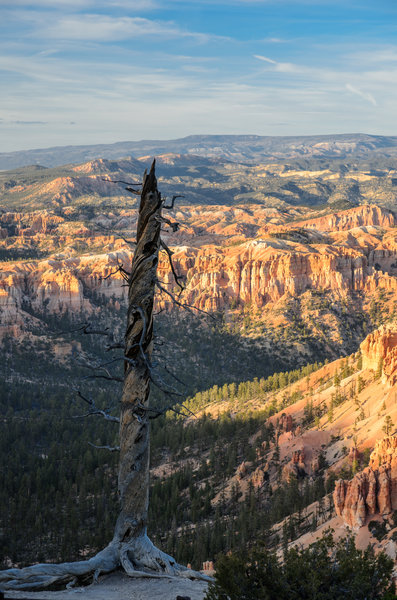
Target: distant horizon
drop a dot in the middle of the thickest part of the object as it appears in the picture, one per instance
(196, 135)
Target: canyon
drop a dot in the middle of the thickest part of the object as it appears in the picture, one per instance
(289, 283)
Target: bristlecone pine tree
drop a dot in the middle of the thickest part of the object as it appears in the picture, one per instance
(130, 549)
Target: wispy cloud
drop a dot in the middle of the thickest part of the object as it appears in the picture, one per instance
(365, 95)
(265, 59)
(103, 28)
(39, 4)
(282, 67)
(274, 40)
(375, 56)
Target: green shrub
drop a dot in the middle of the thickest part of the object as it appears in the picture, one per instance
(326, 570)
(377, 529)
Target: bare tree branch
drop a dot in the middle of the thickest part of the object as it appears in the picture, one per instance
(173, 375)
(95, 410)
(116, 232)
(171, 206)
(85, 329)
(120, 270)
(110, 448)
(120, 181)
(173, 224)
(107, 377)
(169, 254)
(188, 307)
(115, 346)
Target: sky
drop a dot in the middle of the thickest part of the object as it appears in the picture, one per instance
(103, 71)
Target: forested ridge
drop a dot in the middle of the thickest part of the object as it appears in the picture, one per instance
(59, 493)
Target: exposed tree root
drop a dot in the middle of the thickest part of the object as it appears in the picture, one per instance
(138, 558)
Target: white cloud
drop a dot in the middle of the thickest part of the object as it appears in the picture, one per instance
(282, 67)
(103, 28)
(265, 59)
(365, 95)
(375, 56)
(274, 40)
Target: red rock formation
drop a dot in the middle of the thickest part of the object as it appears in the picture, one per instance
(373, 490)
(354, 454)
(242, 470)
(381, 346)
(298, 458)
(260, 272)
(286, 423)
(208, 567)
(366, 215)
(296, 466)
(57, 285)
(315, 464)
(259, 477)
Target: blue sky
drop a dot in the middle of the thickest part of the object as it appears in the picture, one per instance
(102, 71)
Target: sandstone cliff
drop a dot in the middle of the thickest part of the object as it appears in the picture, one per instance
(373, 490)
(361, 216)
(263, 273)
(379, 351)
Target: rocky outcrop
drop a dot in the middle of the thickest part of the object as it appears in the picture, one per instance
(56, 286)
(262, 271)
(373, 490)
(259, 477)
(361, 216)
(296, 467)
(354, 455)
(242, 470)
(286, 423)
(379, 350)
(28, 224)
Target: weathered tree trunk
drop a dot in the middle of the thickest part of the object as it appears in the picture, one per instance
(130, 547)
(134, 417)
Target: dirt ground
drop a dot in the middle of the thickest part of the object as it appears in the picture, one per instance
(117, 586)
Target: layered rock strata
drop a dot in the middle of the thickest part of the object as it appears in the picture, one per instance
(258, 272)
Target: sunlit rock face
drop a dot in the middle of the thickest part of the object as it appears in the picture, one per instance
(340, 254)
(379, 350)
(373, 490)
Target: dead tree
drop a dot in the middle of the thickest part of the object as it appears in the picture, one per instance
(130, 547)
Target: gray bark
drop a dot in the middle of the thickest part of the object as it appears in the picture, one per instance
(133, 478)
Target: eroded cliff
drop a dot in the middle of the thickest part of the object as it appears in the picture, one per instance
(373, 490)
